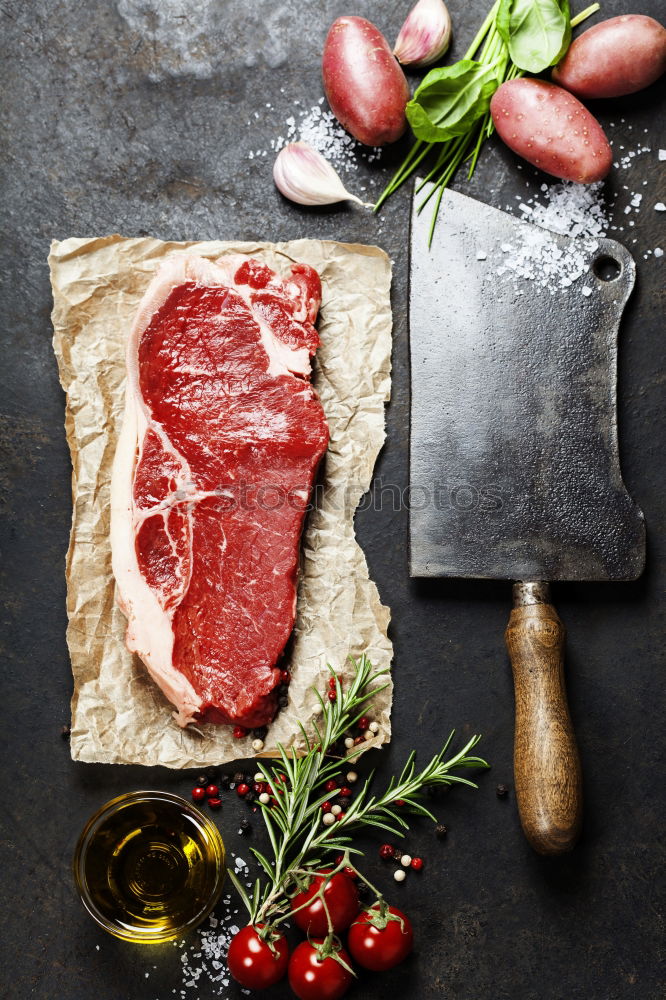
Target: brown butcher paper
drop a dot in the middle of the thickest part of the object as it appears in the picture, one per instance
(119, 715)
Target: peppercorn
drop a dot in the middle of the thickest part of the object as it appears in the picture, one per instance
(283, 690)
(363, 722)
(248, 779)
(502, 791)
(441, 831)
(283, 702)
(198, 794)
(259, 787)
(215, 803)
(349, 872)
(340, 816)
(245, 826)
(347, 792)
(344, 801)
(326, 806)
(238, 777)
(224, 781)
(386, 851)
(331, 785)
(285, 677)
(332, 696)
(212, 792)
(239, 732)
(331, 682)
(397, 854)
(242, 789)
(363, 890)
(416, 864)
(250, 796)
(66, 732)
(202, 780)
(261, 733)
(359, 739)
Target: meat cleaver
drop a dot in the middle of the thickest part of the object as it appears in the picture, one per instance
(514, 466)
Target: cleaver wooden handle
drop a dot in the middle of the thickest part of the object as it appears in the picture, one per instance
(546, 763)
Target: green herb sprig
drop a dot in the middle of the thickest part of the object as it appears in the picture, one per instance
(293, 822)
(450, 111)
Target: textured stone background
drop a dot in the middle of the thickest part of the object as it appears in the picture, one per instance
(139, 117)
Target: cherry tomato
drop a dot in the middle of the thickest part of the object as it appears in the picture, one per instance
(341, 900)
(251, 961)
(379, 944)
(314, 978)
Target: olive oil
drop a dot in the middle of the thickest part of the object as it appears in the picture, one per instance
(149, 865)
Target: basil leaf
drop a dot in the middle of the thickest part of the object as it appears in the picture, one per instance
(450, 99)
(536, 32)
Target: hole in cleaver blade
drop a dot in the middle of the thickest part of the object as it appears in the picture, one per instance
(514, 465)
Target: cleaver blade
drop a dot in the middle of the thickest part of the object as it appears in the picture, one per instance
(514, 464)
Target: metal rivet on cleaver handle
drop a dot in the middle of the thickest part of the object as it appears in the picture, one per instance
(514, 466)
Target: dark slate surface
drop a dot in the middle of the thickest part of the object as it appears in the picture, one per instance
(139, 117)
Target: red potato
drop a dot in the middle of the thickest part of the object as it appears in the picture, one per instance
(617, 57)
(363, 82)
(552, 130)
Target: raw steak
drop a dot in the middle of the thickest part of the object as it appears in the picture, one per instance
(213, 473)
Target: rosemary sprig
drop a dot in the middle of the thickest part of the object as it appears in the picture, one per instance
(294, 820)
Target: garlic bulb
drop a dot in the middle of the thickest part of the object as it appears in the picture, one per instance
(303, 175)
(425, 35)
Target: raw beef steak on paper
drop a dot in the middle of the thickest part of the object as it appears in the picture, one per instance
(213, 472)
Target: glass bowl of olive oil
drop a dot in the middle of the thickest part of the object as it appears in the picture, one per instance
(149, 866)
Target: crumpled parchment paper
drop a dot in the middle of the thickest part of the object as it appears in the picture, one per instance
(118, 713)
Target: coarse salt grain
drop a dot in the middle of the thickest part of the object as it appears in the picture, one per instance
(205, 957)
(660, 207)
(570, 209)
(319, 128)
(658, 252)
(626, 161)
